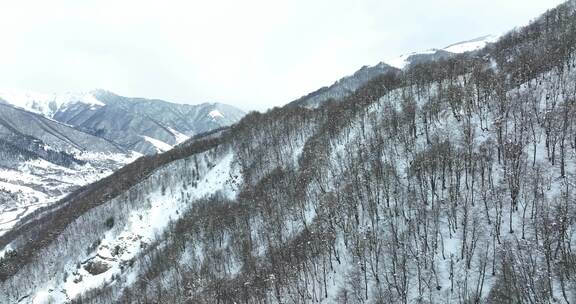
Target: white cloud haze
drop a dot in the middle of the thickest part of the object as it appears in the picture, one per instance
(254, 54)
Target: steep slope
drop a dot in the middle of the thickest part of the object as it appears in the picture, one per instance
(450, 181)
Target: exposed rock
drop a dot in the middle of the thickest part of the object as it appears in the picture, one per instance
(96, 267)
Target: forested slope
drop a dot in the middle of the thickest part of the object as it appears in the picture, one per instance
(449, 182)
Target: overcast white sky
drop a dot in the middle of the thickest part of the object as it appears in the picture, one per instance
(253, 54)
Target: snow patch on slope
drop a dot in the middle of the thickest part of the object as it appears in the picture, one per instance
(180, 137)
(215, 113)
(158, 144)
(401, 61)
(471, 45)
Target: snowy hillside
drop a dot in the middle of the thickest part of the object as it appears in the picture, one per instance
(451, 181)
(130, 226)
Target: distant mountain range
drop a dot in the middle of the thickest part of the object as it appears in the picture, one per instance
(142, 125)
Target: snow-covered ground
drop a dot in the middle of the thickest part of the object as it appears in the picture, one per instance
(215, 114)
(38, 183)
(158, 144)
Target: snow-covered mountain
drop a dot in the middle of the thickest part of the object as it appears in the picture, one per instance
(143, 125)
(451, 181)
(46, 104)
(349, 84)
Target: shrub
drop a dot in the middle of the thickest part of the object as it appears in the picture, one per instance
(109, 222)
